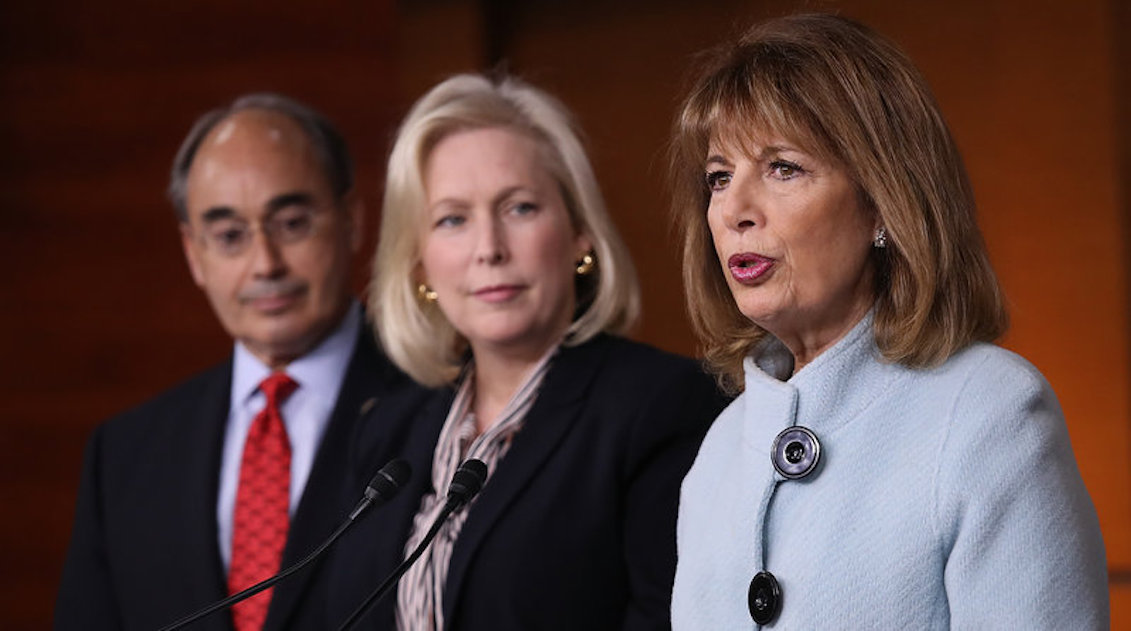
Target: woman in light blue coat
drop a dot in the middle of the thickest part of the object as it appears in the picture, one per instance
(886, 466)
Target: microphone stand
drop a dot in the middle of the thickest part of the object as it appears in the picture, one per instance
(466, 483)
(383, 486)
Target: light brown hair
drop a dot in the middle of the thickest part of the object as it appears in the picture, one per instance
(840, 90)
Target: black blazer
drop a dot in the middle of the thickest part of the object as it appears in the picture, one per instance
(143, 551)
(576, 528)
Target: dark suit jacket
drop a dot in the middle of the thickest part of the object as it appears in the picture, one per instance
(576, 528)
(144, 552)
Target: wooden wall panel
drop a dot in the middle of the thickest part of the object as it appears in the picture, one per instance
(1054, 232)
(1026, 114)
(1120, 604)
(97, 311)
(1031, 93)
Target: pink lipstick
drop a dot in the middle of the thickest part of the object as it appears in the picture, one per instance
(749, 268)
(498, 293)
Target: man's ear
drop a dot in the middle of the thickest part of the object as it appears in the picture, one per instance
(355, 210)
(192, 254)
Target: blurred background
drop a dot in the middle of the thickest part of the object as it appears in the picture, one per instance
(98, 312)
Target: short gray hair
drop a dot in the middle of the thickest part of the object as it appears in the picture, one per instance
(329, 146)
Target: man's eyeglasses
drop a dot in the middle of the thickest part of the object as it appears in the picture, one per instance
(233, 236)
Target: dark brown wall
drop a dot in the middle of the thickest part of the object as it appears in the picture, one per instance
(97, 311)
(1036, 94)
(1120, 29)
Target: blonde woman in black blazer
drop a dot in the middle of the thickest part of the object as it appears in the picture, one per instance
(501, 281)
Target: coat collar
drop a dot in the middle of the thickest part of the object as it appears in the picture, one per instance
(824, 395)
(559, 401)
(197, 457)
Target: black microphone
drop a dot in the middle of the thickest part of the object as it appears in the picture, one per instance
(466, 483)
(384, 485)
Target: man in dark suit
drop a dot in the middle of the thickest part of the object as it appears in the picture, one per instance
(241, 470)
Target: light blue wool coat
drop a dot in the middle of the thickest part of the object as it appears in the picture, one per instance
(944, 498)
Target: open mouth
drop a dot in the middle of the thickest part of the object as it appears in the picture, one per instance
(748, 268)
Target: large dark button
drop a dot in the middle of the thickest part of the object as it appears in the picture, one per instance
(764, 598)
(796, 452)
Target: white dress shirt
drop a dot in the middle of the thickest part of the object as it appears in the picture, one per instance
(306, 413)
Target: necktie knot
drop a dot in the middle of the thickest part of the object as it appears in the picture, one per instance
(277, 387)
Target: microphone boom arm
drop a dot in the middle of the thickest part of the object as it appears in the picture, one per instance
(466, 483)
(382, 487)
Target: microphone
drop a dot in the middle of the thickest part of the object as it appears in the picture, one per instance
(466, 483)
(384, 485)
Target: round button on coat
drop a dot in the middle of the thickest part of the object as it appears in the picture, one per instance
(764, 598)
(796, 452)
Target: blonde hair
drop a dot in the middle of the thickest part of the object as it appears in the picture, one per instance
(417, 336)
(841, 90)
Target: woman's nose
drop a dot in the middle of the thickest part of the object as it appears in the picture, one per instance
(491, 246)
(741, 207)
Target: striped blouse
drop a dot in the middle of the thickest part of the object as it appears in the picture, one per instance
(420, 603)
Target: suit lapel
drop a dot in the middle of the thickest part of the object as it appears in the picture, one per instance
(559, 401)
(322, 507)
(197, 470)
(405, 423)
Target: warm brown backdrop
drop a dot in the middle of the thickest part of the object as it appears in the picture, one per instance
(97, 312)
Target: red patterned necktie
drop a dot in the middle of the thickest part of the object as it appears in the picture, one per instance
(261, 518)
